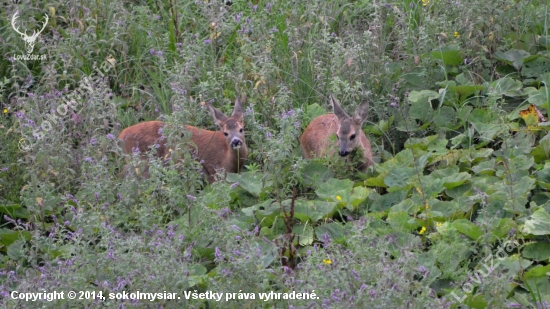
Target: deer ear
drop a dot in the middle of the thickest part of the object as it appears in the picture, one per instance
(238, 109)
(338, 111)
(217, 115)
(361, 112)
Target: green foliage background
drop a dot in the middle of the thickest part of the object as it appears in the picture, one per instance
(453, 214)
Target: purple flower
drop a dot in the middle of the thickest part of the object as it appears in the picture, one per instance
(268, 135)
(237, 17)
(234, 185)
(88, 159)
(207, 41)
(192, 198)
(93, 141)
(4, 169)
(394, 104)
(411, 5)
(152, 51)
(422, 269)
(218, 254)
(110, 136)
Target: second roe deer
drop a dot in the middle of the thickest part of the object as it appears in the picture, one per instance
(315, 140)
(224, 149)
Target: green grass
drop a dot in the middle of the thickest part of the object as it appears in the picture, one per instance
(454, 213)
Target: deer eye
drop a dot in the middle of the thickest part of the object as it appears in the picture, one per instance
(352, 137)
(241, 130)
(225, 133)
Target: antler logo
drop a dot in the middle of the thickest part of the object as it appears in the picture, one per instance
(29, 40)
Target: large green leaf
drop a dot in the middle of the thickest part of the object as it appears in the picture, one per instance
(421, 107)
(303, 234)
(399, 176)
(314, 110)
(251, 182)
(514, 57)
(15, 211)
(333, 188)
(538, 251)
(538, 223)
(506, 86)
(315, 173)
(334, 230)
(451, 55)
(445, 117)
(401, 221)
(467, 228)
(7, 237)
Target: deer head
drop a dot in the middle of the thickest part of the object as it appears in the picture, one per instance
(29, 40)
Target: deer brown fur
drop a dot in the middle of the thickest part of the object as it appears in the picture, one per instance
(315, 140)
(225, 149)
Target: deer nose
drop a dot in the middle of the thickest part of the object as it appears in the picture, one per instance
(343, 153)
(236, 143)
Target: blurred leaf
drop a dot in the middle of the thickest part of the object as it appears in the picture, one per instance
(334, 230)
(8, 237)
(536, 67)
(399, 176)
(506, 86)
(330, 189)
(16, 251)
(251, 182)
(538, 223)
(467, 228)
(537, 251)
(513, 57)
(303, 234)
(401, 221)
(504, 226)
(315, 173)
(451, 55)
(421, 107)
(15, 211)
(314, 110)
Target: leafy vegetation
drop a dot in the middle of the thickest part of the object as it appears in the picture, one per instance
(454, 213)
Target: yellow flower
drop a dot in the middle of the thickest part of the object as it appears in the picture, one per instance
(457, 35)
(5, 110)
(422, 230)
(425, 2)
(439, 224)
(338, 197)
(327, 261)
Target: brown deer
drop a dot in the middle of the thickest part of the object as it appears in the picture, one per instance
(315, 141)
(224, 149)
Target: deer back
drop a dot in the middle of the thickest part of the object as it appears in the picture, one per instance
(225, 149)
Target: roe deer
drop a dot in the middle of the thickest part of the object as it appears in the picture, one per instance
(224, 149)
(315, 141)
